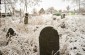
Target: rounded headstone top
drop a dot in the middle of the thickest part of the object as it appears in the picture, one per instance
(26, 14)
(48, 30)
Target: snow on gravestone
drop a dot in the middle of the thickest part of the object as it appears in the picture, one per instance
(49, 41)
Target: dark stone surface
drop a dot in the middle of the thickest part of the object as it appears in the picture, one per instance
(48, 41)
(0, 53)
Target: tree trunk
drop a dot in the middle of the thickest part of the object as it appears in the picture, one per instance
(26, 5)
(0, 19)
(13, 11)
(79, 6)
(20, 12)
(0, 22)
(5, 6)
(26, 14)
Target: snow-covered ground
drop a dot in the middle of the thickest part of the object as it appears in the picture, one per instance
(26, 42)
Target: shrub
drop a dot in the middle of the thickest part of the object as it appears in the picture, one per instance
(57, 14)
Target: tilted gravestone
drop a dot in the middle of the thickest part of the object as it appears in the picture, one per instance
(49, 41)
(9, 34)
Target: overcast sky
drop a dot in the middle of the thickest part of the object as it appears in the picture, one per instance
(57, 4)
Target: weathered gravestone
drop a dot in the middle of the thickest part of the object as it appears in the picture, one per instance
(26, 18)
(49, 41)
(9, 34)
(63, 16)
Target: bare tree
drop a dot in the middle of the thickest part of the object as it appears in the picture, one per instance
(68, 8)
(51, 10)
(8, 3)
(78, 3)
(29, 3)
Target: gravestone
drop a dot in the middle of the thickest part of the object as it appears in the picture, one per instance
(26, 18)
(10, 33)
(49, 41)
(63, 16)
